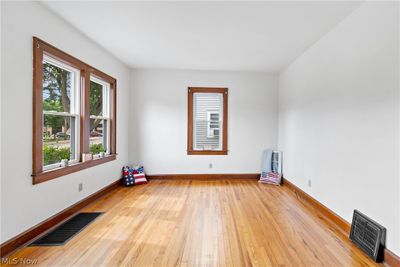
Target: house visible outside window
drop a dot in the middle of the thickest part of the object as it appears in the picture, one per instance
(213, 124)
(74, 114)
(207, 121)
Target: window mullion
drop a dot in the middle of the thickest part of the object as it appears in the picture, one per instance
(65, 114)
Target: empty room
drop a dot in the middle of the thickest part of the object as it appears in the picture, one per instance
(200, 133)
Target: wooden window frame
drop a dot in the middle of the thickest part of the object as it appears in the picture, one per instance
(39, 175)
(224, 92)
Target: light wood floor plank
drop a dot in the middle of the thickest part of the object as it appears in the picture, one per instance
(203, 223)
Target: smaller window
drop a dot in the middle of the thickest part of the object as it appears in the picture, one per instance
(207, 121)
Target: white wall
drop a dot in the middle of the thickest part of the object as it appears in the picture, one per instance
(159, 120)
(338, 122)
(339, 118)
(23, 204)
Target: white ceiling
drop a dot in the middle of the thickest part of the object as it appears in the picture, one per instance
(250, 36)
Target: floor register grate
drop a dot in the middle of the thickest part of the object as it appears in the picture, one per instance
(60, 235)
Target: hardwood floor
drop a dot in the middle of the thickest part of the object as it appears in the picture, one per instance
(203, 223)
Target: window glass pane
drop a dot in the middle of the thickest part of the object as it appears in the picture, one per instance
(207, 121)
(57, 85)
(98, 136)
(58, 139)
(96, 99)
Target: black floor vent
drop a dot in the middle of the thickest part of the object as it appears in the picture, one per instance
(368, 235)
(67, 230)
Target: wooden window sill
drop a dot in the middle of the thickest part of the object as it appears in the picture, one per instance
(52, 174)
(207, 152)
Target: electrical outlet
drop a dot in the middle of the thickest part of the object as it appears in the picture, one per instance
(80, 187)
(309, 182)
(210, 165)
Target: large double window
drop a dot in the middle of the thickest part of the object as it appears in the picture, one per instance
(73, 114)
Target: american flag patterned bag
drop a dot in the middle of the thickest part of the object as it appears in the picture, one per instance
(271, 178)
(138, 175)
(272, 167)
(127, 176)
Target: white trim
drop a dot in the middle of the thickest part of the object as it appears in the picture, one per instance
(58, 63)
(98, 117)
(218, 111)
(57, 113)
(105, 94)
(75, 88)
(51, 166)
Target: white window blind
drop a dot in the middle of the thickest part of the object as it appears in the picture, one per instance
(207, 123)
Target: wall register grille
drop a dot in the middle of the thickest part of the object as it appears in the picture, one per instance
(368, 235)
